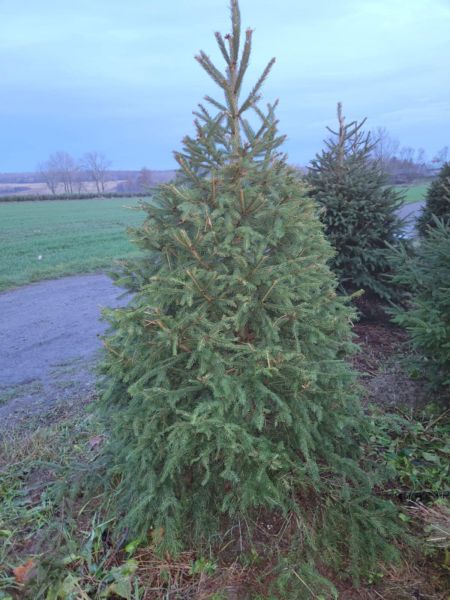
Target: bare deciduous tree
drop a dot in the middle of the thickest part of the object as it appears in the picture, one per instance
(144, 180)
(441, 156)
(68, 169)
(421, 162)
(96, 166)
(421, 156)
(407, 154)
(60, 170)
(49, 175)
(401, 164)
(386, 147)
(79, 181)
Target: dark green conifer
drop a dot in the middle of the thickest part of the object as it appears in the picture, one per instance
(227, 385)
(426, 316)
(437, 201)
(359, 209)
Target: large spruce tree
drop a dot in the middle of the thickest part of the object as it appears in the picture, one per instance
(437, 202)
(359, 209)
(227, 385)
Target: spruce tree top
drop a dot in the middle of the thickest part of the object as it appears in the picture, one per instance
(228, 137)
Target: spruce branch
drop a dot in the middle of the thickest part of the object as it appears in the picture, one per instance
(182, 238)
(248, 130)
(202, 113)
(236, 28)
(187, 170)
(253, 97)
(217, 104)
(244, 60)
(207, 64)
(223, 48)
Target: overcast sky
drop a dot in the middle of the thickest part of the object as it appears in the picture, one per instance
(119, 76)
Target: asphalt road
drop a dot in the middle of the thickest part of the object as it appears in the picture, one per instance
(49, 339)
(410, 212)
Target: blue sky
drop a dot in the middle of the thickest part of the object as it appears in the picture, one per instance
(119, 77)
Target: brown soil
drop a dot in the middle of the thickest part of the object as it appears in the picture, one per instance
(381, 363)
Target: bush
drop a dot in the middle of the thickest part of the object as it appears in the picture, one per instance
(427, 316)
(437, 202)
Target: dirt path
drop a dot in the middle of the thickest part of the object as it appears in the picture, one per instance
(49, 339)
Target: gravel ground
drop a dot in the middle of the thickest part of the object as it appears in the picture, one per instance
(49, 345)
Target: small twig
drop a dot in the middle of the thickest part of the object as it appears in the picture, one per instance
(304, 583)
(240, 537)
(199, 287)
(242, 201)
(268, 291)
(441, 416)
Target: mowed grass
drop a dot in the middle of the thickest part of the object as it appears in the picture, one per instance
(414, 192)
(44, 240)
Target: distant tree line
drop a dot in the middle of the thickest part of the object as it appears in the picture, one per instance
(403, 164)
(137, 183)
(65, 175)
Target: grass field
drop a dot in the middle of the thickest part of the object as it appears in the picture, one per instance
(44, 240)
(414, 192)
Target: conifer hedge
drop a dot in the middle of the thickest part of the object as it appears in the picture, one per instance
(227, 385)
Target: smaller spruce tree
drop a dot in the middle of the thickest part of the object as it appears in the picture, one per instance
(359, 209)
(437, 201)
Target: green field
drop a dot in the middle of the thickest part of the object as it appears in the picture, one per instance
(414, 192)
(75, 236)
(70, 236)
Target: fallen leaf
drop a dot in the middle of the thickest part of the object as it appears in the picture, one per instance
(23, 572)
